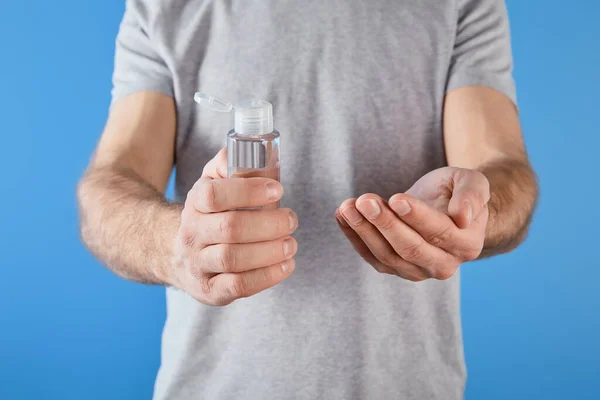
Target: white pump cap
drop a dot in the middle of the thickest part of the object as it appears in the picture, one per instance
(254, 117)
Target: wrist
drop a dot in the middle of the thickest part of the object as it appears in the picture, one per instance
(163, 272)
(165, 239)
(514, 194)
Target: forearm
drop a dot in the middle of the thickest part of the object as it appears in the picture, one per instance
(513, 196)
(127, 224)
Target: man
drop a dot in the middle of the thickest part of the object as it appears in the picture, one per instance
(398, 120)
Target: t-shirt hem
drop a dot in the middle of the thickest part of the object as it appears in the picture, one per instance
(120, 92)
(505, 86)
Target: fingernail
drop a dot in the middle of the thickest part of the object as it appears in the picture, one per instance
(400, 207)
(286, 267)
(288, 247)
(352, 215)
(370, 208)
(272, 191)
(469, 212)
(341, 221)
(222, 171)
(292, 219)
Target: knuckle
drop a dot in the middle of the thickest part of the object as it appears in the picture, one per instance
(187, 236)
(385, 223)
(418, 220)
(206, 285)
(196, 272)
(267, 276)
(283, 222)
(229, 226)
(443, 237)
(208, 195)
(226, 258)
(413, 252)
(238, 287)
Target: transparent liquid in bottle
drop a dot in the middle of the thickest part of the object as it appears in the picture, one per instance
(253, 155)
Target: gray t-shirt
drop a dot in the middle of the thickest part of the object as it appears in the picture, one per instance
(358, 90)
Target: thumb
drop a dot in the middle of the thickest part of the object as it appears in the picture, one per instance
(217, 167)
(470, 194)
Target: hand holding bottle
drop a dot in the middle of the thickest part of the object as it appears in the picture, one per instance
(223, 254)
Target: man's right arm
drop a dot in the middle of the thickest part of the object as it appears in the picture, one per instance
(202, 247)
(125, 219)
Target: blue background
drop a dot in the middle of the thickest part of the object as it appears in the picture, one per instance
(69, 329)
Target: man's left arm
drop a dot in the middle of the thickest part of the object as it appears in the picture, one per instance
(479, 205)
(482, 133)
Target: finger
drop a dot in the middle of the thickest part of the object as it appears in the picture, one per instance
(367, 233)
(221, 258)
(470, 195)
(376, 243)
(433, 225)
(243, 226)
(438, 229)
(412, 274)
(217, 167)
(360, 247)
(215, 195)
(225, 288)
(405, 241)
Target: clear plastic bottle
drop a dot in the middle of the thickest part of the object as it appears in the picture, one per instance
(253, 144)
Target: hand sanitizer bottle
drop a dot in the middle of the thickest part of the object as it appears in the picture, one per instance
(252, 144)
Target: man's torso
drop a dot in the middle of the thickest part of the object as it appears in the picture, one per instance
(357, 90)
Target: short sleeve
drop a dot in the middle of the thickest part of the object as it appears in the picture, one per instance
(482, 53)
(137, 64)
